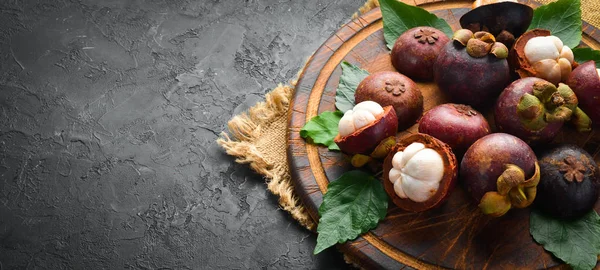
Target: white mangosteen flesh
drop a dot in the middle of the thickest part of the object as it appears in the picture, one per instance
(550, 59)
(362, 115)
(416, 172)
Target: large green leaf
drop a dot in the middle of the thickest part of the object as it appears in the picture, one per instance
(351, 77)
(576, 242)
(583, 55)
(562, 18)
(399, 17)
(353, 204)
(322, 129)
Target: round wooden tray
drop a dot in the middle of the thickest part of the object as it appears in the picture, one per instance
(453, 236)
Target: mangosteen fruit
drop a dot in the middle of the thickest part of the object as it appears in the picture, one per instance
(534, 110)
(472, 69)
(415, 51)
(457, 125)
(419, 172)
(500, 171)
(506, 20)
(585, 82)
(538, 54)
(364, 127)
(393, 89)
(568, 185)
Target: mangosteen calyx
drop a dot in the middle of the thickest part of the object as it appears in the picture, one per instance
(395, 87)
(480, 44)
(465, 110)
(512, 190)
(426, 36)
(551, 104)
(572, 168)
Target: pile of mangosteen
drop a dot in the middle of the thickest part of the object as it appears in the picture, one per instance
(530, 83)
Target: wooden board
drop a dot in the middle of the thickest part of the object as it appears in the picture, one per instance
(453, 236)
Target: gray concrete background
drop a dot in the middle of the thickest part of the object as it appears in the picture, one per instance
(108, 115)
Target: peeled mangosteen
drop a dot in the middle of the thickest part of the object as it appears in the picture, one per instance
(568, 185)
(500, 171)
(534, 110)
(505, 20)
(457, 125)
(419, 172)
(585, 82)
(363, 128)
(472, 69)
(538, 54)
(393, 89)
(415, 51)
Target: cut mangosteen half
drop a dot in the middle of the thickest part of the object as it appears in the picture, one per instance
(364, 127)
(539, 54)
(419, 172)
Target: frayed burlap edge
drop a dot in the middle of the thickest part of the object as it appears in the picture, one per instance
(246, 129)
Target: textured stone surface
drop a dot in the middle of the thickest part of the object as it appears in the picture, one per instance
(108, 115)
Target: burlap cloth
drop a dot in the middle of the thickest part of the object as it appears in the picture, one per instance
(259, 136)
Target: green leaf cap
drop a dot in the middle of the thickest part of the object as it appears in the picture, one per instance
(480, 44)
(551, 104)
(512, 190)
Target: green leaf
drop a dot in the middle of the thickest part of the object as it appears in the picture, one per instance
(399, 17)
(583, 55)
(576, 242)
(353, 204)
(562, 18)
(322, 129)
(351, 77)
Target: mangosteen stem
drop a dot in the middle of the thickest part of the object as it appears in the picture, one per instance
(544, 90)
(513, 190)
(581, 120)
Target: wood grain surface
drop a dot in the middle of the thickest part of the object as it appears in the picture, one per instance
(455, 235)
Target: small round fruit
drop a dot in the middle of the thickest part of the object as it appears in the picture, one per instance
(415, 51)
(568, 185)
(585, 82)
(457, 125)
(534, 109)
(472, 69)
(419, 172)
(396, 90)
(364, 127)
(500, 171)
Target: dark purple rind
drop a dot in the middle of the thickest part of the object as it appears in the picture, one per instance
(415, 59)
(559, 197)
(485, 161)
(468, 80)
(408, 105)
(585, 82)
(459, 130)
